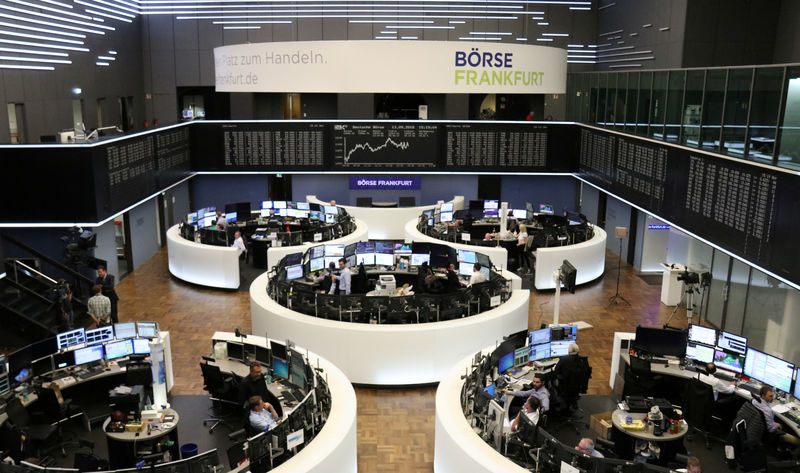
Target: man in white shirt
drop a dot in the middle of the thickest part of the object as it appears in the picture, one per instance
(477, 276)
(719, 385)
(222, 222)
(530, 409)
(238, 242)
(262, 415)
(586, 446)
(343, 280)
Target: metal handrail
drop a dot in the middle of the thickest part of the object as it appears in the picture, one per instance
(20, 263)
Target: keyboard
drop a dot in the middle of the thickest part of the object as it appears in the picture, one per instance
(749, 388)
(87, 374)
(724, 375)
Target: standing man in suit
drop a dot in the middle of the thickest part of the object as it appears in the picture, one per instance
(107, 282)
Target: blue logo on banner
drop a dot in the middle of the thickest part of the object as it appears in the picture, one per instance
(385, 183)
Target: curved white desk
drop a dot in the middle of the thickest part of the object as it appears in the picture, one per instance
(457, 448)
(333, 450)
(207, 265)
(388, 354)
(497, 254)
(588, 257)
(275, 253)
(387, 223)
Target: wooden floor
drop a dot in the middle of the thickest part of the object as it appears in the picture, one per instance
(395, 426)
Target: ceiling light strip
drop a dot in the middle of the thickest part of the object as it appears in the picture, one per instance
(386, 37)
(555, 34)
(41, 30)
(624, 65)
(109, 15)
(111, 10)
(145, 3)
(481, 38)
(409, 37)
(36, 36)
(346, 10)
(648, 51)
(21, 66)
(610, 33)
(112, 7)
(490, 33)
(59, 4)
(49, 23)
(246, 22)
(645, 58)
(53, 17)
(217, 17)
(54, 10)
(423, 27)
(35, 59)
(544, 39)
(329, 7)
(391, 21)
(101, 63)
(241, 27)
(32, 51)
(107, 58)
(42, 45)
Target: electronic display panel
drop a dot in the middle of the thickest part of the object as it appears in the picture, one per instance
(540, 351)
(384, 259)
(280, 368)
(334, 250)
(466, 256)
(366, 259)
(445, 207)
(699, 352)
(559, 349)
(465, 269)
(732, 343)
(100, 335)
(147, 329)
(118, 349)
(88, 354)
(446, 217)
(71, 338)
(704, 335)
(316, 264)
(141, 346)
(125, 330)
(294, 272)
(418, 259)
(536, 337)
(729, 361)
(769, 369)
(505, 363)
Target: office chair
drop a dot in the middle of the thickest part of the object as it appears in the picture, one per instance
(428, 307)
(56, 412)
(221, 390)
(328, 307)
(699, 409)
(86, 460)
(39, 434)
(480, 296)
(375, 307)
(363, 201)
(397, 311)
(571, 387)
(639, 379)
(407, 201)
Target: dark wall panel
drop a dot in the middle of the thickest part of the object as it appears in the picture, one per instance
(559, 191)
(218, 190)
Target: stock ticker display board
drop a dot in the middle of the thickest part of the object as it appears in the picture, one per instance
(748, 210)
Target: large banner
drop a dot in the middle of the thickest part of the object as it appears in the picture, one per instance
(442, 67)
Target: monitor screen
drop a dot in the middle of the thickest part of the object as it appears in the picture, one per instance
(505, 363)
(316, 264)
(490, 205)
(330, 218)
(491, 213)
(428, 213)
(431, 222)
(282, 212)
(297, 367)
(704, 335)
(42, 348)
(278, 350)
(466, 256)
(235, 351)
(402, 248)
(491, 389)
(315, 215)
(64, 360)
(383, 259)
(88, 354)
(266, 204)
(141, 346)
(263, 355)
(540, 351)
(291, 213)
(100, 335)
(796, 392)
(125, 330)
(4, 385)
(446, 216)
(71, 338)
(44, 365)
(119, 349)
(699, 352)
(208, 222)
(465, 269)
(293, 259)
(330, 209)
(301, 214)
(191, 217)
(564, 332)
(303, 206)
(265, 212)
(558, 349)
(536, 337)
(334, 250)
(19, 360)
(769, 369)
(231, 216)
(317, 251)
(363, 247)
(294, 272)
(476, 205)
(519, 214)
(546, 209)
(418, 259)
(729, 361)
(210, 211)
(732, 343)
(659, 342)
(386, 247)
(280, 368)
(147, 329)
(445, 207)
(332, 259)
(367, 259)
(279, 204)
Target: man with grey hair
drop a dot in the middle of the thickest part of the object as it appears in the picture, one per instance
(586, 446)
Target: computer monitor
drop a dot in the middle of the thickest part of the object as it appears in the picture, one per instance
(418, 259)
(559, 349)
(231, 216)
(796, 392)
(293, 259)
(491, 204)
(208, 222)
(431, 222)
(704, 335)
(316, 264)
(660, 342)
(64, 360)
(465, 269)
(71, 338)
(564, 332)
(100, 335)
(729, 361)
(42, 348)
(367, 258)
(88, 354)
(383, 259)
(363, 247)
(446, 217)
(519, 214)
(490, 389)
(732, 343)
(317, 251)
(278, 350)
(278, 204)
(332, 259)
(466, 256)
(402, 248)
(539, 352)
(294, 272)
(505, 363)
(266, 204)
(147, 329)
(769, 369)
(699, 352)
(282, 212)
(291, 213)
(297, 369)
(191, 218)
(521, 356)
(330, 218)
(5, 386)
(118, 349)
(546, 209)
(280, 368)
(125, 330)
(235, 351)
(263, 355)
(536, 337)
(302, 206)
(445, 207)
(476, 205)
(385, 247)
(334, 250)
(42, 366)
(141, 346)
(315, 215)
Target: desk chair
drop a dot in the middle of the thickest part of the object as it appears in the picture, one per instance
(220, 389)
(640, 379)
(524, 439)
(328, 307)
(571, 387)
(39, 434)
(57, 413)
(363, 201)
(428, 307)
(698, 409)
(86, 460)
(407, 201)
(375, 307)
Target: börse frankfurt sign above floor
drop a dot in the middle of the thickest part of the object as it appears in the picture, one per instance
(394, 67)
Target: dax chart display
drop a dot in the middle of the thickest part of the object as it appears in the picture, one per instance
(385, 145)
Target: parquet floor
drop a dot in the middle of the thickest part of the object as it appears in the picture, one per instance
(395, 426)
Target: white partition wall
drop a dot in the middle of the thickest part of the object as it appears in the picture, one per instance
(497, 254)
(387, 223)
(207, 265)
(588, 257)
(275, 254)
(388, 354)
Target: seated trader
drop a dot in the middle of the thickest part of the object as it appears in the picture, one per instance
(238, 241)
(341, 284)
(99, 307)
(586, 446)
(566, 364)
(222, 222)
(762, 403)
(254, 384)
(719, 385)
(530, 409)
(692, 466)
(453, 284)
(539, 391)
(477, 276)
(326, 280)
(262, 415)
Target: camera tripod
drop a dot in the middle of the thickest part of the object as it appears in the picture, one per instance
(687, 301)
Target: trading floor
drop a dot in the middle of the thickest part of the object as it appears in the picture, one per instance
(395, 425)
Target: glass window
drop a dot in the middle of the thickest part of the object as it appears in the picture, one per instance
(713, 101)
(643, 107)
(659, 105)
(693, 107)
(764, 113)
(737, 99)
(674, 104)
(715, 294)
(611, 102)
(771, 323)
(631, 101)
(601, 99)
(594, 97)
(789, 155)
(737, 294)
